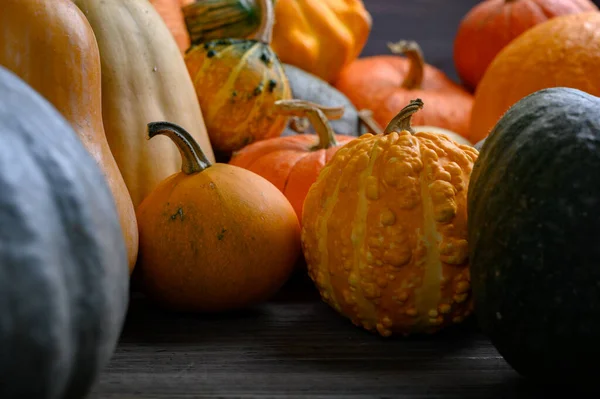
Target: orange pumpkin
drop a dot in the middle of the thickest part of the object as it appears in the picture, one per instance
(213, 237)
(492, 24)
(385, 83)
(237, 82)
(384, 230)
(172, 14)
(51, 46)
(293, 163)
(564, 51)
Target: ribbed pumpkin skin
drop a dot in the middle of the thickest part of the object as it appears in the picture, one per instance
(58, 57)
(562, 52)
(289, 163)
(238, 82)
(144, 79)
(63, 260)
(533, 233)
(384, 232)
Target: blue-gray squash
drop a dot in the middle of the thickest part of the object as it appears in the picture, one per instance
(306, 86)
(63, 263)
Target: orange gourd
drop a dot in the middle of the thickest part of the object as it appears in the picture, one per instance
(562, 52)
(213, 237)
(384, 230)
(491, 24)
(57, 55)
(385, 83)
(237, 82)
(320, 36)
(171, 12)
(293, 163)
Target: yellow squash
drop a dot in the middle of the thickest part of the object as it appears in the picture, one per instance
(320, 36)
(144, 79)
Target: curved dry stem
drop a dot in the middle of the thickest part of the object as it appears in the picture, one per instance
(365, 116)
(416, 70)
(402, 120)
(267, 20)
(193, 159)
(317, 115)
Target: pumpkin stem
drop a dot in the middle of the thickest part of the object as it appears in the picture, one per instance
(317, 115)
(267, 20)
(193, 159)
(412, 51)
(401, 121)
(365, 116)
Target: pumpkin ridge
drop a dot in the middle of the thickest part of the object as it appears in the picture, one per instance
(321, 225)
(289, 175)
(233, 76)
(364, 305)
(206, 63)
(245, 125)
(431, 239)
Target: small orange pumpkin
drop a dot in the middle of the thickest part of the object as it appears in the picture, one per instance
(237, 82)
(293, 163)
(384, 230)
(386, 83)
(490, 25)
(213, 237)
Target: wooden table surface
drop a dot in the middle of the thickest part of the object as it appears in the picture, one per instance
(296, 346)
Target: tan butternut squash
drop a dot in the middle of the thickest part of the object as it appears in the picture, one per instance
(144, 79)
(50, 45)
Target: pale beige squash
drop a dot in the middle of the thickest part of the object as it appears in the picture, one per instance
(144, 79)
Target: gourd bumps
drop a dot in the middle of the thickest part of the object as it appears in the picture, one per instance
(384, 232)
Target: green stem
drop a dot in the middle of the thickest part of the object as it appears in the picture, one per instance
(193, 159)
(401, 121)
(267, 20)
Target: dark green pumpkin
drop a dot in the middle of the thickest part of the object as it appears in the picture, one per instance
(534, 236)
(63, 262)
(306, 86)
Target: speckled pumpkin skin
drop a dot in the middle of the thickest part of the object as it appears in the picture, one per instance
(384, 232)
(238, 82)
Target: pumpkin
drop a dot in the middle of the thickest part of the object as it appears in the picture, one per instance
(385, 83)
(384, 230)
(208, 20)
(533, 234)
(172, 14)
(366, 117)
(63, 42)
(144, 78)
(491, 24)
(63, 260)
(293, 163)
(237, 82)
(214, 237)
(308, 87)
(318, 36)
(563, 51)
